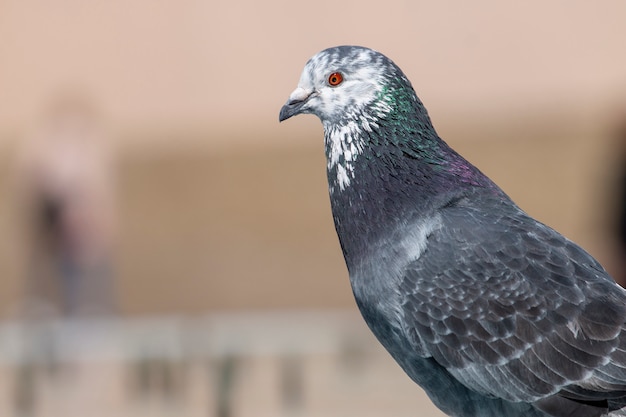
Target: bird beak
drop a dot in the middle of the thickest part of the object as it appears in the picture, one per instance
(297, 99)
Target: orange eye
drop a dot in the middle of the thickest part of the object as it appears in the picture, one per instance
(335, 79)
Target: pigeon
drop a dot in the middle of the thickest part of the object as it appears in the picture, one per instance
(491, 312)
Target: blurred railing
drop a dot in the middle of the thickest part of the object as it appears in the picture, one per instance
(270, 364)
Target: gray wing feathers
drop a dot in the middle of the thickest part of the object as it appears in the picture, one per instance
(512, 309)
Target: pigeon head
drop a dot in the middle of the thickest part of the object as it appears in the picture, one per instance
(339, 84)
(370, 113)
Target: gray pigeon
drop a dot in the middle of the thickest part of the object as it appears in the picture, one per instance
(492, 312)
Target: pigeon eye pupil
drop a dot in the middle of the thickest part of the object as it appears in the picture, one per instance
(335, 79)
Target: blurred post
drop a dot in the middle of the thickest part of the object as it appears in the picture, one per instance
(292, 384)
(226, 375)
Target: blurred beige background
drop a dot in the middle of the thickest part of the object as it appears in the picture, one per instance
(221, 207)
(212, 206)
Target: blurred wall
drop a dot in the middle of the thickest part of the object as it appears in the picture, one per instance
(220, 207)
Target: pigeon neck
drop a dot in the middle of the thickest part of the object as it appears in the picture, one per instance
(387, 166)
(396, 119)
(397, 176)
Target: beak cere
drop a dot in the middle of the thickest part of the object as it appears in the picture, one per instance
(293, 107)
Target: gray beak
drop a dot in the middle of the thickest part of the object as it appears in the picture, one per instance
(293, 107)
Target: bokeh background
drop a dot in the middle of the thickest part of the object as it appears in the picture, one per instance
(167, 246)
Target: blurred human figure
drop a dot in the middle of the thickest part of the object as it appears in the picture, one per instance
(65, 179)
